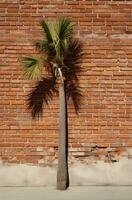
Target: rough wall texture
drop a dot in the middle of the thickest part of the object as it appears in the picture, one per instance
(104, 124)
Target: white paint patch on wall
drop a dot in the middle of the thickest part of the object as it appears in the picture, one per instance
(114, 36)
(122, 36)
(100, 173)
(95, 36)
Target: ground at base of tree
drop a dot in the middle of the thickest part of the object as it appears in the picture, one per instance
(73, 193)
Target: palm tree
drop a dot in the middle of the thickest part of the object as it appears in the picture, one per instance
(60, 55)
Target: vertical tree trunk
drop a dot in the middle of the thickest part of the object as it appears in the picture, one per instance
(62, 172)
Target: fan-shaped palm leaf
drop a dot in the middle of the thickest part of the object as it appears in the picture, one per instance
(41, 94)
(45, 47)
(33, 67)
(65, 29)
(47, 31)
(57, 36)
(64, 34)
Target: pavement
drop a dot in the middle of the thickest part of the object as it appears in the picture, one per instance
(73, 193)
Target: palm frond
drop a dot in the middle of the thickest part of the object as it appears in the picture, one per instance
(32, 67)
(45, 47)
(47, 31)
(41, 94)
(64, 32)
(57, 37)
(72, 60)
(65, 29)
(74, 94)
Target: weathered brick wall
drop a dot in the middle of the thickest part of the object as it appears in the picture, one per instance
(105, 120)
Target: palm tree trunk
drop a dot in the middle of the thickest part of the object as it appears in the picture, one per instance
(62, 172)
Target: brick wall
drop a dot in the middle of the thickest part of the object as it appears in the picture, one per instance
(104, 123)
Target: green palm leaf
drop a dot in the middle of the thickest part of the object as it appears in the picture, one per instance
(57, 36)
(46, 29)
(65, 29)
(45, 47)
(33, 67)
(64, 32)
